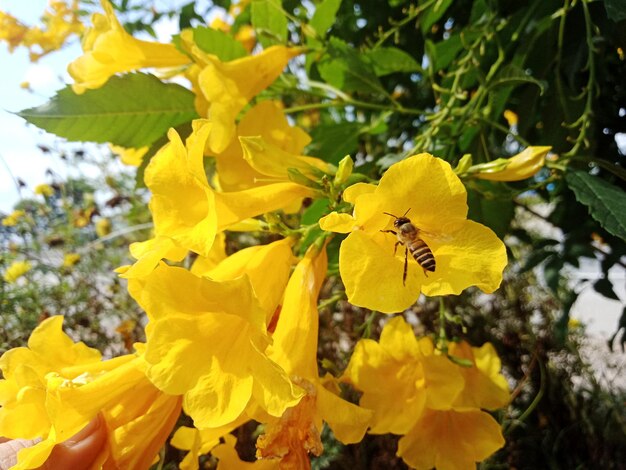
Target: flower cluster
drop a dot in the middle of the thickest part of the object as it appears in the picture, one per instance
(234, 337)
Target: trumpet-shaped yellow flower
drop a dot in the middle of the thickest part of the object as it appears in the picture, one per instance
(16, 270)
(297, 432)
(267, 121)
(109, 49)
(425, 190)
(519, 167)
(485, 386)
(450, 440)
(55, 387)
(13, 218)
(401, 377)
(256, 262)
(206, 340)
(187, 212)
(227, 87)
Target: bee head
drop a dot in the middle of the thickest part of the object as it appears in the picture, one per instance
(401, 221)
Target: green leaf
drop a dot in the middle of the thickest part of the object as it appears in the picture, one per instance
(224, 46)
(344, 68)
(386, 60)
(324, 16)
(269, 20)
(615, 9)
(433, 14)
(494, 213)
(605, 202)
(333, 142)
(131, 110)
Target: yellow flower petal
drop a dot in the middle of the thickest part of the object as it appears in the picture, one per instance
(449, 440)
(519, 167)
(109, 49)
(336, 222)
(352, 192)
(347, 421)
(485, 386)
(257, 261)
(472, 255)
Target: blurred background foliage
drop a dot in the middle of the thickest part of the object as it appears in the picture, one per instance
(387, 79)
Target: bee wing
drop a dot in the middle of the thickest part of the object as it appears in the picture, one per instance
(438, 236)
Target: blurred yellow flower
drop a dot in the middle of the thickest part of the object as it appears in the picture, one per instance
(450, 440)
(103, 227)
(129, 156)
(425, 191)
(16, 270)
(400, 377)
(13, 218)
(518, 167)
(109, 49)
(511, 118)
(44, 190)
(70, 259)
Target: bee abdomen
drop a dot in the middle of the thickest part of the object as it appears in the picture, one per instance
(423, 255)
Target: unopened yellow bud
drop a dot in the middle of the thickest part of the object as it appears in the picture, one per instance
(344, 170)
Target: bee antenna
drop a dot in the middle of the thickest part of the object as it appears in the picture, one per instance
(407, 211)
(387, 213)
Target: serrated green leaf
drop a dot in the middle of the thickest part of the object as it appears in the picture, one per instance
(224, 46)
(344, 68)
(386, 60)
(324, 16)
(270, 22)
(605, 202)
(333, 142)
(433, 14)
(131, 110)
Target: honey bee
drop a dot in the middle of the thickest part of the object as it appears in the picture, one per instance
(409, 237)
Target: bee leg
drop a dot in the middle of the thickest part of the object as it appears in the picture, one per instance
(395, 247)
(425, 273)
(406, 264)
(390, 231)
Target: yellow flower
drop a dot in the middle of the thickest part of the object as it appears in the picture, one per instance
(199, 442)
(129, 156)
(256, 262)
(70, 259)
(227, 87)
(44, 190)
(266, 120)
(109, 49)
(297, 432)
(511, 118)
(13, 218)
(55, 387)
(194, 326)
(11, 30)
(450, 440)
(187, 212)
(103, 227)
(425, 190)
(401, 377)
(229, 460)
(16, 270)
(485, 386)
(519, 167)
